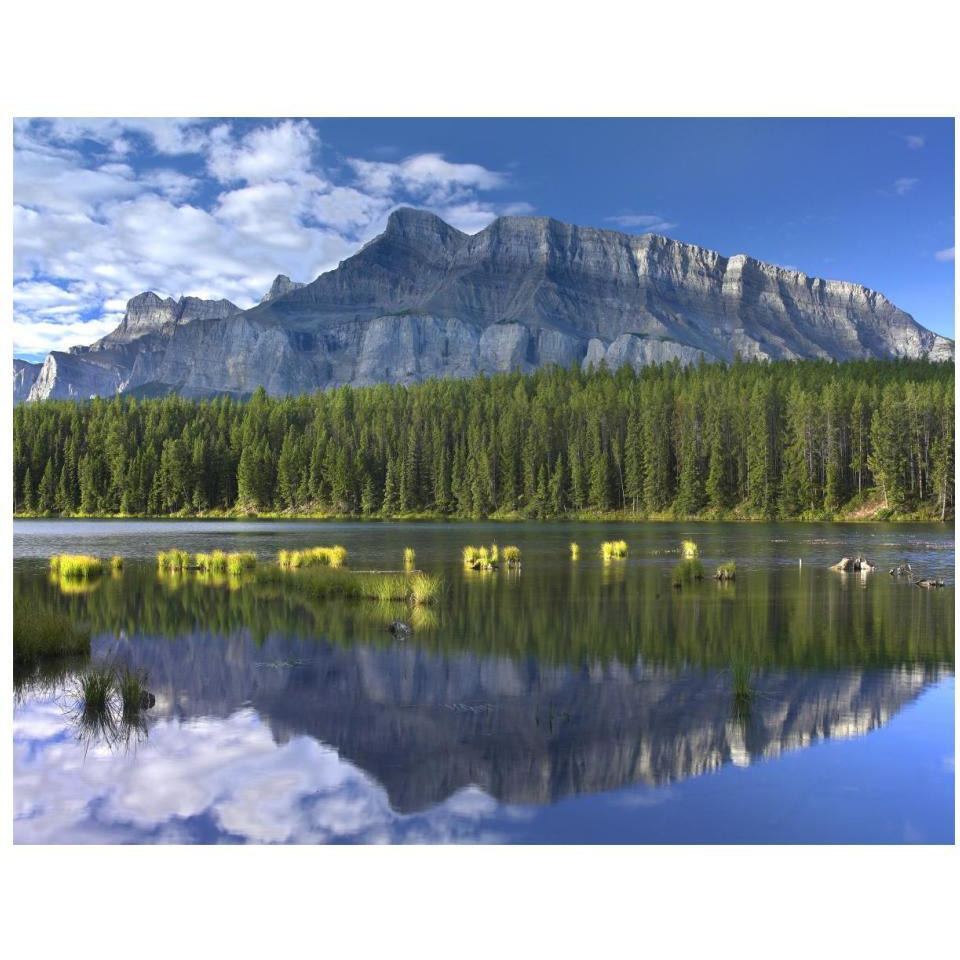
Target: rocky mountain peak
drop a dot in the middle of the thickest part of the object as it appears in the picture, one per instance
(281, 285)
(426, 300)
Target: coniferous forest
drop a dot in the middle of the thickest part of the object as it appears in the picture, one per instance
(806, 439)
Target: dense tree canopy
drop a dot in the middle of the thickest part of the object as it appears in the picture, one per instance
(785, 439)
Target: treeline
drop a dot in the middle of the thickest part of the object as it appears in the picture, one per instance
(787, 439)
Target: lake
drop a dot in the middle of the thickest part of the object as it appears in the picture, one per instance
(567, 702)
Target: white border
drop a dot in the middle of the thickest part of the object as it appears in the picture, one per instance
(436, 59)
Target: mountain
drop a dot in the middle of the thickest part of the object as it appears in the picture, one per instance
(425, 300)
(24, 375)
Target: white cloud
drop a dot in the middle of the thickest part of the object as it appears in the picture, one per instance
(282, 152)
(111, 208)
(427, 176)
(648, 222)
(945, 256)
(914, 141)
(904, 185)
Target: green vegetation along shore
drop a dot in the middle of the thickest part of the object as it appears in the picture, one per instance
(807, 440)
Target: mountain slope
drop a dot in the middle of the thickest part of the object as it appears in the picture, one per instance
(424, 299)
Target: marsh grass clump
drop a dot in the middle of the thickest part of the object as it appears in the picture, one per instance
(116, 563)
(726, 571)
(409, 558)
(237, 563)
(686, 572)
(743, 692)
(613, 549)
(173, 560)
(423, 588)
(131, 687)
(96, 691)
(689, 550)
(574, 551)
(40, 635)
(314, 557)
(481, 558)
(511, 556)
(71, 566)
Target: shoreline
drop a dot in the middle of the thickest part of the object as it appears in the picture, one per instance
(621, 519)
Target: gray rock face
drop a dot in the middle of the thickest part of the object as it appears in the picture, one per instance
(282, 284)
(425, 300)
(128, 356)
(24, 374)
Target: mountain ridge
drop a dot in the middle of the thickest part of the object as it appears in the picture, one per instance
(424, 299)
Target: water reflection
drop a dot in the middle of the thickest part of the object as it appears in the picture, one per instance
(278, 719)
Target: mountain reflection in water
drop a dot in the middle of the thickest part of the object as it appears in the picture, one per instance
(279, 720)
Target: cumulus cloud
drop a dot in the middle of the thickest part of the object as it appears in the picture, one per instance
(904, 185)
(646, 222)
(113, 207)
(945, 256)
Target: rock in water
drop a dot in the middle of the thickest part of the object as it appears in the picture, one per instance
(425, 300)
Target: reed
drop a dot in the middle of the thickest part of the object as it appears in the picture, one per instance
(511, 556)
(116, 563)
(423, 588)
(172, 560)
(75, 566)
(132, 688)
(689, 550)
(96, 690)
(574, 551)
(726, 571)
(613, 549)
(315, 556)
(238, 562)
(686, 572)
(481, 558)
(409, 558)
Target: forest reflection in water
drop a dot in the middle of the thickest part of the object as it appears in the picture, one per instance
(531, 687)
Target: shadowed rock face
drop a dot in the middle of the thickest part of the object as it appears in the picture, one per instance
(426, 726)
(24, 374)
(424, 299)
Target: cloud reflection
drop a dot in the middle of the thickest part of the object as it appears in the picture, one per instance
(213, 780)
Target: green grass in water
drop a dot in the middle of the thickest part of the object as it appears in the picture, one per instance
(686, 572)
(70, 566)
(170, 560)
(613, 549)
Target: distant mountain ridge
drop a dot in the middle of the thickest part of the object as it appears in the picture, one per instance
(425, 300)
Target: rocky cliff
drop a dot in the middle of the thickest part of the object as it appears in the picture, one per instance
(24, 375)
(425, 300)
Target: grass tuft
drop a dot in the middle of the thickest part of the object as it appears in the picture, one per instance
(409, 558)
(726, 571)
(686, 572)
(574, 551)
(316, 556)
(511, 556)
(423, 588)
(171, 560)
(116, 563)
(75, 566)
(689, 550)
(613, 549)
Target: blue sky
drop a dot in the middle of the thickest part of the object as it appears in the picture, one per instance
(104, 209)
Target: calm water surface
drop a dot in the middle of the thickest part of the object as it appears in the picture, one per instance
(569, 702)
